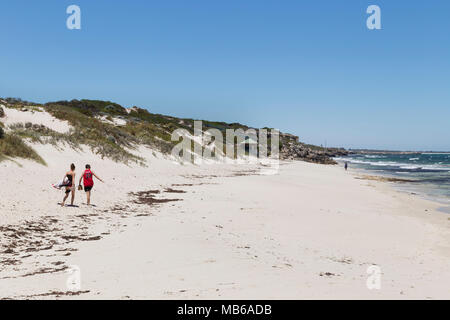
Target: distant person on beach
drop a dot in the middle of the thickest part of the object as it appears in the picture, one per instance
(70, 177)
(88, 182)
(346, 166)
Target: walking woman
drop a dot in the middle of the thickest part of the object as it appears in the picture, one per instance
(70, 185)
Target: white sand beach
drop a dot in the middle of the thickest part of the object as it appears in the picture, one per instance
(309, 232)
(240, 150)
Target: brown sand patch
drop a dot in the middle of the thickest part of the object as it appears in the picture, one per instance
(57, 294)
(170, 190)
(148, 198)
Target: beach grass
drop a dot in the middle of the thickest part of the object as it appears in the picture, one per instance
(104, 139)
(14, 147)
(114, 132)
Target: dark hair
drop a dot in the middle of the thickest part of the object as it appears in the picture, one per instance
(72, 167)
(88, 166)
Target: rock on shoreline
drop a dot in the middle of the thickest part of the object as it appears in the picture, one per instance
(291, 149)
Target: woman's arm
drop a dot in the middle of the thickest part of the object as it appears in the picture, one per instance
(97, 177)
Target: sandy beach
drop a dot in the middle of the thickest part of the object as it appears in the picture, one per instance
(264, 152)
(168, 231)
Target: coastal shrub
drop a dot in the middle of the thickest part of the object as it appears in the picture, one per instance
(2, 133)
(13, 146)
(142, 128)
(18, 101)
(44, 135)
(2, 112)
(92, 107)
(104, 139)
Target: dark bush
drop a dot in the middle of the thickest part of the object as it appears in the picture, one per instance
(2, 133)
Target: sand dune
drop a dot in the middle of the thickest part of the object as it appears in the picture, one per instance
(35, 115)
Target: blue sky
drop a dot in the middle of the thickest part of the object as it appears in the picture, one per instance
(311, 68)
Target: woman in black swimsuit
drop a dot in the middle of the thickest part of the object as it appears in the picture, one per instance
(70, 187)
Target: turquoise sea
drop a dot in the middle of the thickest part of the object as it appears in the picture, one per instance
(429, 172)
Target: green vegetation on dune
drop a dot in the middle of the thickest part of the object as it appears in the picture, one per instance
(14, 147)
(104, 139)
(91, 107)
(117, 142)
(42, 134)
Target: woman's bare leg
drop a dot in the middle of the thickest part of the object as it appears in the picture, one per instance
(64, 200)
(88, 196)
(73, 196)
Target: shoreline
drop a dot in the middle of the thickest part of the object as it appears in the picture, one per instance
(397, 183)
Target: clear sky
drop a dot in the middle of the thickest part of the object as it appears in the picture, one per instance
(311, 68)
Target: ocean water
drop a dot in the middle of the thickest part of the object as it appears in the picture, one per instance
(430, 172)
